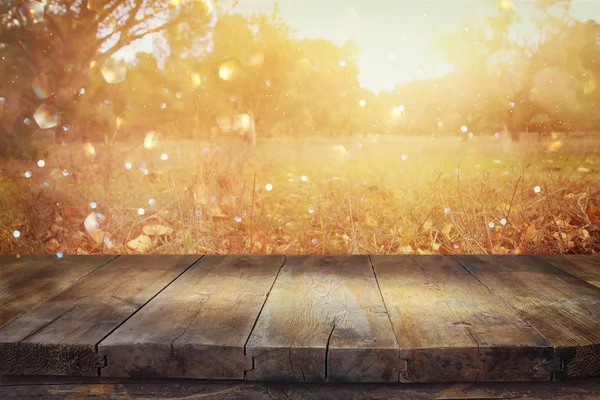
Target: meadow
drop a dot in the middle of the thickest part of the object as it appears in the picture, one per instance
(372, 194)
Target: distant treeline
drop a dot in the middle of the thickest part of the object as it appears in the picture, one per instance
(223, 73)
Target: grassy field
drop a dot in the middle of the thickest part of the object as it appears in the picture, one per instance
(360, 195)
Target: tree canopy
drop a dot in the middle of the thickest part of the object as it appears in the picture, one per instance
(217, 72)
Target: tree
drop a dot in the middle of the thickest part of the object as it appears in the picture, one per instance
(55, 48)
(326, 85)
(249, 66)
(512, 74)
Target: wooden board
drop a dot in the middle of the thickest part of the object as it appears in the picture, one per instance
(582, 266)
(200, 323)
(561, 307)
(324, 320)
(27, 281)
(59, 337)
(452, 328)
(178, 389)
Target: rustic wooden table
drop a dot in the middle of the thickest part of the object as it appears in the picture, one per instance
(338, 318)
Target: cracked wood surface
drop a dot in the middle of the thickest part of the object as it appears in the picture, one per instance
(460, 318)
(561, 307)
(27, 281)
(59, 337)
(198, 326)
(452, 328)
(584, 267)
(324, 320)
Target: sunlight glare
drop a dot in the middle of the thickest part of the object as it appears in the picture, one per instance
(226, 71)
(114, 71)
(150, 141)
(46, 116)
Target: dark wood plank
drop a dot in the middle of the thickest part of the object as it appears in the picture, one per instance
(199, 324)
(324, 320)
(27, 281)
(177, 389)
(563, 308)
(59, 337)
(452, 328)
(584, 267)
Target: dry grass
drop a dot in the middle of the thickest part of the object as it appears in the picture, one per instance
(367, 199)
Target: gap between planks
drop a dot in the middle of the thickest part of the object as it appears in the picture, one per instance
(260, 312)
(136, 311)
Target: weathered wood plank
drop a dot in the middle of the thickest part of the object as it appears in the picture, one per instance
(582, 266)
(324, 320)
(452, 328)
(177, 389)
(199, 324)
(27, 281)
(59, 337)
(563, 308)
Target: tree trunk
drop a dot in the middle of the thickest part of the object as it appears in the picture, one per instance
(252, 130)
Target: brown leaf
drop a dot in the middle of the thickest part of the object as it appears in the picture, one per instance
(70, 212)
(446, 230)
(561, 236)
(532, 234)
(200, 196)
(141, 244)
(56, 228)
(585, 235)
(405, 250)
(216, 212)
(156, 230)
(97, 235)
(52, 246)
(369, 221)
(592, 212)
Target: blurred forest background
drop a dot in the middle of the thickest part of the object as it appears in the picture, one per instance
(208, 126)
(214, 71)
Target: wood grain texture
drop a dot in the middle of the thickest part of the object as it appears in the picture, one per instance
(199, 324)
(177, 389)
(27, 281)
(582, 266)
(561, 307)
(324, 320)
(59, 337)
(452, 328)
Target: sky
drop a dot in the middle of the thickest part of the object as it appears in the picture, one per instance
(395, 36)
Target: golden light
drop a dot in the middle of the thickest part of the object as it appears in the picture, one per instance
(150, 140)
(92, 64)
(89, 150)
(589, 87)
(114, 71)
(504, 4)
(226, 71)
(196, 80)
(338, 149)
(304, 63)
(175, 3)
(209, 5)
(554, 146)
(257, 60)
(244, 121)
(119, 122)
(362, 103)
(398, 110)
